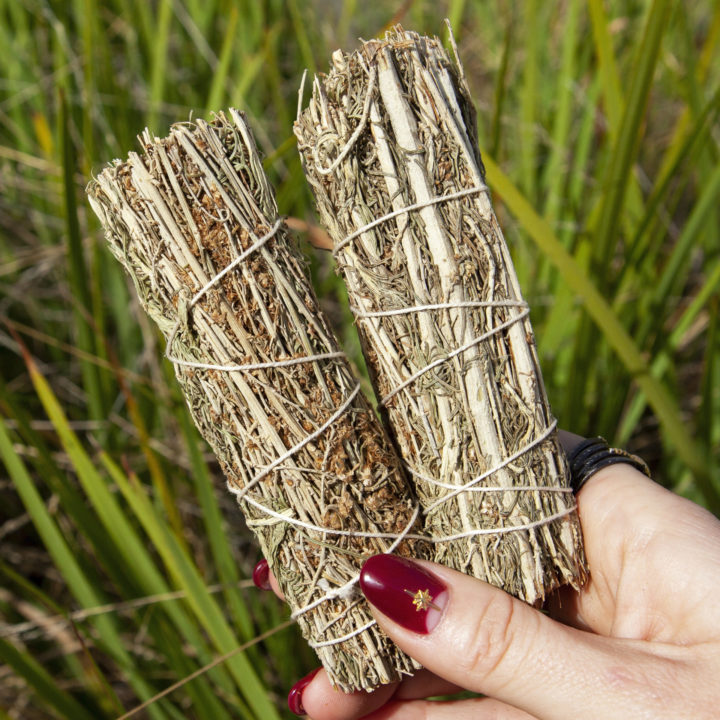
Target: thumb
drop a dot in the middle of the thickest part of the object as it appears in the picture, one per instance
(480, 638)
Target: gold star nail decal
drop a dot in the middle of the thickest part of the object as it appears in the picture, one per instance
(422, 600)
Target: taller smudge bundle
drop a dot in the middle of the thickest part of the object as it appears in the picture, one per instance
(389, 147)
(194, 223)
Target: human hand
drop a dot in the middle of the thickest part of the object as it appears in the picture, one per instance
(642, 640)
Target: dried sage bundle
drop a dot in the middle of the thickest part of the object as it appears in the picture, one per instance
(389, 146)
(194, 222)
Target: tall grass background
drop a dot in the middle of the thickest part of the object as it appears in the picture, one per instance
(124, 564)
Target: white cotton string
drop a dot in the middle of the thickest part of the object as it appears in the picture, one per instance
(454, 353)
(408, 209)
(353, 138)
(511, 458)
(241, 492)
(510, 529)
(343, 589)
(497, 488)
(257, 366)
(343, 638)
(232, 265)
(449, 538)
(360, 313)
(213, 281)
(318, 528)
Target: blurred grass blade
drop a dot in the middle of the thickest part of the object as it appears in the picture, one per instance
(67, 564)
(663, 360)
(251, 67)
(159, 43)
(681, 131)
(301, 25)
(500, 93)
(554, 173)
(671, 276)
(455, 11)
(203, 604)
(710, 408)
(685, 153)
(608, 72)
(126, 542)
(620, 165)
(213, 522)
(157, 474)
(32, 672)
(528, 100)
(77, 269)
(220, 76)
(125, 539)
(619, 205)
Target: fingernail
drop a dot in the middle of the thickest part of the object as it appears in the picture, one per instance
(295, 694)
(261, 575)
(404, 591)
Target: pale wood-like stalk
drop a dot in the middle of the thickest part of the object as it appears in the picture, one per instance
(391, 127)
(178, 215)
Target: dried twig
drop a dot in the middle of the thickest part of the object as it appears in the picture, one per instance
(194, 222)
(389, 147)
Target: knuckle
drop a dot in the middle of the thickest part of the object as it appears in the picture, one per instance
(485, 649)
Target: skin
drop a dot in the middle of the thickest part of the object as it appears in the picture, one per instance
(642, 639)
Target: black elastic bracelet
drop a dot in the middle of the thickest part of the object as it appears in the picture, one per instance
(595, 454)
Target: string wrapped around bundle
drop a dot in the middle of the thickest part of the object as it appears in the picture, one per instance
(194, 223)
(389, 147)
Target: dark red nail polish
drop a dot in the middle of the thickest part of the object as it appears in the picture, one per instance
(404, 591)
(261, 575)
(295, 694)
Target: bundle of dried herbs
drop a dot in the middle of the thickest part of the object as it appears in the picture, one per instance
(389, 146)
(193, 221)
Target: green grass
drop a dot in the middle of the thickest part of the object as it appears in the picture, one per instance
(599, 124)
